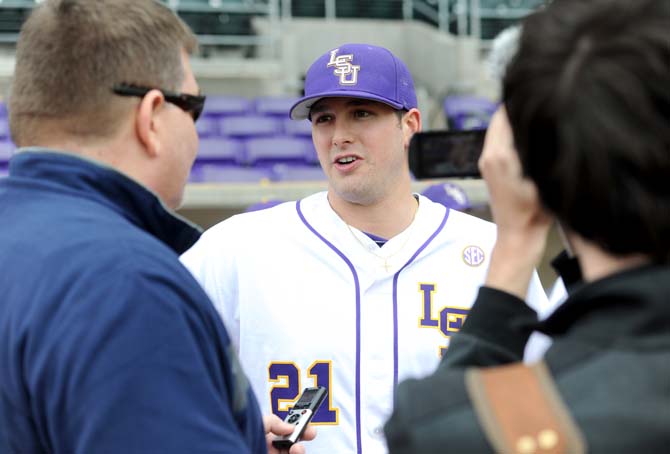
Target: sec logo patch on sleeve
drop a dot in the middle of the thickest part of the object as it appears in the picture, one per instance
(473, 256)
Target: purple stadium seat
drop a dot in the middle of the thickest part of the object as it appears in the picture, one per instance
(207, 126)
(311, 158)
(288, 172)
(4, 171)
(222, 150)
(250, 126)
(468, 112)
(298, 127)
(6, 151)
(4, 127)
(195, 176)
(274, 105)
(270, 150)
(219, 105)
(232, 174)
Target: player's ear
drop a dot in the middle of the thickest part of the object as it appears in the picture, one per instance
(410, 124)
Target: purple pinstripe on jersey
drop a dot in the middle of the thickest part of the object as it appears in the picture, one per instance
(395, 296)
(358, 322)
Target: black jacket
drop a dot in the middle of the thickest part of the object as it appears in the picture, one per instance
(610, 359)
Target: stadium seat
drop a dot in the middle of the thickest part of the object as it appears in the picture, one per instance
(6, 151)
(311, 158)
(298, 128)
(194, 175)
(4, 128)
(219, 105)
(250, 126)
(271, 150)
(274, 105)
(468, 112)
(207, 126)
(221, 150)
(287, 172)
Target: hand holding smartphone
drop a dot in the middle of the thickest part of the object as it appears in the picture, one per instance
(446, 154)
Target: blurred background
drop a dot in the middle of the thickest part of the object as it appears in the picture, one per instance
(251, 64)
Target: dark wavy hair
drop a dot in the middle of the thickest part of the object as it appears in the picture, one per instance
(588, 98)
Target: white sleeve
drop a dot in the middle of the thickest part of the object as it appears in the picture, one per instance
(536, 296)
(538, 343)
(557, 294)
(212, 261)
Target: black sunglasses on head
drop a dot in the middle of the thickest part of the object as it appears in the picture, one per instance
(192, 104)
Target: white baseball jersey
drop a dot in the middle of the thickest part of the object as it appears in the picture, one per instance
(310, 301)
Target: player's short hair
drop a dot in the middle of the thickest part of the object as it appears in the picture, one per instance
(588, 98)
(70, 53)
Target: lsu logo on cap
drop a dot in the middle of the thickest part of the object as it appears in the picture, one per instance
(473, 255)
(347, 72)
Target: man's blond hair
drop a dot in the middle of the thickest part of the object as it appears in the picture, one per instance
(70, 54)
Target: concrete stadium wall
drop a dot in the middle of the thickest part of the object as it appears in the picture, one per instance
(440, 63)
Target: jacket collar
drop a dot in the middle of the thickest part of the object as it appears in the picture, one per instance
(94, 180)
(632, 305)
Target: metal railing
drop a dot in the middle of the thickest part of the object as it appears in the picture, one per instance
(227, 22)
(459, 17)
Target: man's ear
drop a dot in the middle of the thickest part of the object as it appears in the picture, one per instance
(411, 124)
(147, 120)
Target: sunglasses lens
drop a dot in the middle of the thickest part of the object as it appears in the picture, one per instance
(197, 111)
(191, 104)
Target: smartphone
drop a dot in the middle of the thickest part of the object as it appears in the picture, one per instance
(300, 415)
(444, 154)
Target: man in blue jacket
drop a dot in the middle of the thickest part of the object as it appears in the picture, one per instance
(107, 344)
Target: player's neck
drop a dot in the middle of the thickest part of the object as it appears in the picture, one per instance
(385, 218)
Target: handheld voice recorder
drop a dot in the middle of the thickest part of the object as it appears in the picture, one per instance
(300, 415)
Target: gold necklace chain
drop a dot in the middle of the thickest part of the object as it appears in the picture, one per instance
(407, 233)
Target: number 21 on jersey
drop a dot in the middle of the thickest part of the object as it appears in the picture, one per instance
(287, 386)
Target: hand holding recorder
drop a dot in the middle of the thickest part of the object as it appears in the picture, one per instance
(298, 418)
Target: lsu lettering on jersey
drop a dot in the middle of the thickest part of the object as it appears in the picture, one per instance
(309, 301)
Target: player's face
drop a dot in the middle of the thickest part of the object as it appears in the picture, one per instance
(362, 147)
(182, 141)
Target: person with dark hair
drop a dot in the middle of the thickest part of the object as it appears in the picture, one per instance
(584, 138)
(107, 343)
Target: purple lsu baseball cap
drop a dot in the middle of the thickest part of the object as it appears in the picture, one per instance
(357, 71)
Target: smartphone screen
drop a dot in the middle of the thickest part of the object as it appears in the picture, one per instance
(444, 154)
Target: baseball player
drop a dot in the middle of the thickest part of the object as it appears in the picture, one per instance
(357, 287)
